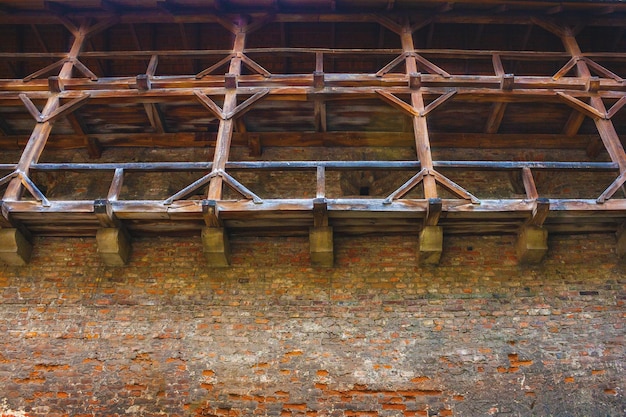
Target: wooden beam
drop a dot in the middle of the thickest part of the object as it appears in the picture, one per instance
(329, 139)
(609, 136)
(420, 126)
(210, 213)
(155, 117)
(495, 118)
(433, 212)
(32, 150)
(320, 116)
(581, 106)
(529, 184)
(574, 122)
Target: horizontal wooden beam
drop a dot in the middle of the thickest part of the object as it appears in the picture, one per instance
(329, 139)
(335, 165)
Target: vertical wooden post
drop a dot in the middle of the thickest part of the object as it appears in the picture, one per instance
(14, 246)
(430, 240)
(215, 239)
(606, 129)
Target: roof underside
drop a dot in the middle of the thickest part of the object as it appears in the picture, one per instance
(507, 96)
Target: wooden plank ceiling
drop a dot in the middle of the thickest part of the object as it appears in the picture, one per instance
(431, 90)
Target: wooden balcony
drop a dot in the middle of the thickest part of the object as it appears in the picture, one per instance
(460, 116)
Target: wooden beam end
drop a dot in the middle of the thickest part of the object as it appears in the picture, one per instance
(430, 245)
(15, 249)
(532, 245)
(114, 246)
(321, 246)
(216, 246)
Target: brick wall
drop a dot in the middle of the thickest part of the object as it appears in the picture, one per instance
(374, 336)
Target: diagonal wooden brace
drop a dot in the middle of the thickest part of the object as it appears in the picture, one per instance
(239, 187)
(612, 189)
(454, 188)
(407, 186)
(33, 190)
(191, 188)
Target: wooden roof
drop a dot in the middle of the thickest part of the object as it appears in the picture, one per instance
(411, 81)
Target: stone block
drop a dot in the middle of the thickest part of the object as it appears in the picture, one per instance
(216, 246)
(15, 249)
(430, 245)
(532, 245)
(321, 246)
(114, 246)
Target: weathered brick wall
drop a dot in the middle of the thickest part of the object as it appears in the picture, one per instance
(374, 336)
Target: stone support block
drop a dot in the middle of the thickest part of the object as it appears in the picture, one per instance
(114, 246)
(430, 245)
(15, 249)
(532, 244)
(321, 246)
(216, 246)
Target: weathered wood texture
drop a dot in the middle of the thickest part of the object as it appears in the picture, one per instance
(305, 79)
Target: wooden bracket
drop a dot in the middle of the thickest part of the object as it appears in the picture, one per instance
(190, 188)
(391, 65)
(437, 102)
(407, 186)
(214, 67)
(28, 184)
(397, 103)
(582, 107)
(59, 112)
(602, 70)
(432, 68)
(209, 104)
(45, 70)
(238, 187)
(254, 66)
(244, 107)
(612, 189)
(566, 68)
(616, 107)
(454, 188)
